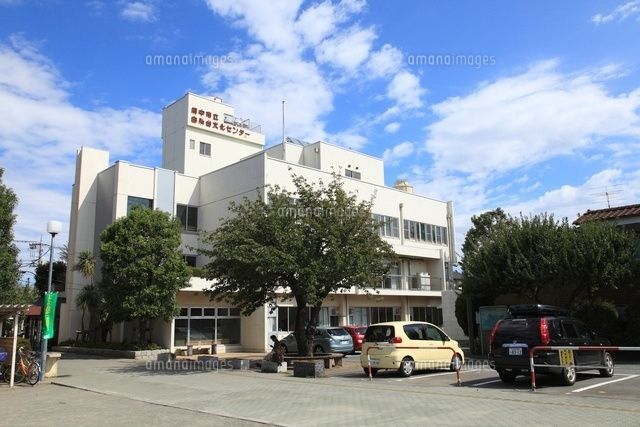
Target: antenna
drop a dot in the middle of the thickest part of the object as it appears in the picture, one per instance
(609, 195)
(284, 145)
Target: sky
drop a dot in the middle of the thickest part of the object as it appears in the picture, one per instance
(529, 106)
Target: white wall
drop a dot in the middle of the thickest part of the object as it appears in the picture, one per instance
(227, 146)
(89, 163)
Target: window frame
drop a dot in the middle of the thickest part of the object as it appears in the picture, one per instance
(207, 149)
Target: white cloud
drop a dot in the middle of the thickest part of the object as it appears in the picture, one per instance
(393, 155)
(346, 50)
(306, 55)
(347, 139)
(620, 13)
(571, 200)
(392, 127)
(507, 128)
(256, 86)
(405, 90)
(142, 11)
(386, 61)
(272, 23)
(526, 119)
(41, 131)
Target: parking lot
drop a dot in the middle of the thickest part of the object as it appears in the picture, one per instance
(345, 397)
(624, 385)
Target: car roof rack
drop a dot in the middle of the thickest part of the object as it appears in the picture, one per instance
(521, 310)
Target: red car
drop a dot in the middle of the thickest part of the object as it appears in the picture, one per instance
(357, 334)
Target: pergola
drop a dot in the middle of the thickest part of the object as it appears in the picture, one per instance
(8, 311)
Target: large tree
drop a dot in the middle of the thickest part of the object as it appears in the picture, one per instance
(142, 268)
(10, 291)
(304, 245)
(545, 260)
(480, 233)
(58, 277)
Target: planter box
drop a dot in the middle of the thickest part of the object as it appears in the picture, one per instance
(273, 367)
(311, 368)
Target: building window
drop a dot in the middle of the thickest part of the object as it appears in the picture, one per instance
(352, 174)
(133, 201)
(422, 232)
(205, 149)
(188, 216)
(207, 324)
(190, 260)
(192, 144)
(388, 225)
(384, 314)
(427, 314)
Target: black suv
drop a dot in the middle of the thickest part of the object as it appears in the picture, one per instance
(527, 326)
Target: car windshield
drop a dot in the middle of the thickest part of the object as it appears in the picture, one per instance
(361, 330)
(337, 332)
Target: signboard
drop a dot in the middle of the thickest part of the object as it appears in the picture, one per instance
(489, 315)
(48, 314)
(213, 122)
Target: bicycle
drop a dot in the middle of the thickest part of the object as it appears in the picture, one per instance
(27, 368)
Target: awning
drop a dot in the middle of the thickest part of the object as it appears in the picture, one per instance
(10, 310)
(15, 311)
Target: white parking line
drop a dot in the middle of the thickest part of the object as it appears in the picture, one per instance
(604, 383)
(417, 377)
(485, 383)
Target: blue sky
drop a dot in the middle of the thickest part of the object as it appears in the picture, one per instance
(530, 106)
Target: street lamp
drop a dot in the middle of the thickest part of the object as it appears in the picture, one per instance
(53, 228)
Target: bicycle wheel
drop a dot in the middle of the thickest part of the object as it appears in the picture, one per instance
(18, 378)
(33, 373)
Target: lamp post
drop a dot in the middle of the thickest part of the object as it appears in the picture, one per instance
(53, 228)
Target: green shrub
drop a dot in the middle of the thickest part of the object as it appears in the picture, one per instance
(599, 316)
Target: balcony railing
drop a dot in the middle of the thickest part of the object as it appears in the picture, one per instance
(412, 283)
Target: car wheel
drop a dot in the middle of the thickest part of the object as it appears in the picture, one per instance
(406, 367)
(374, 371)
(318, 349)
(456, 363)
(608, 362)
(508, 377)
(569, 376)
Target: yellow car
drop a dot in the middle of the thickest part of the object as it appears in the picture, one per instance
(408, 346)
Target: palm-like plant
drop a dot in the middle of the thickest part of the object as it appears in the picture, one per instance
(88, 299)
(89, 296)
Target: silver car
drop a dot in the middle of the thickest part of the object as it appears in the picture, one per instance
(325, 340)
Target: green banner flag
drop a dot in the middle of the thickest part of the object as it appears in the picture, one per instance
(49, 314)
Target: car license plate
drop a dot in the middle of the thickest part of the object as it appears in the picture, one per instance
(345, 342)
(374, 362)
(515, 351)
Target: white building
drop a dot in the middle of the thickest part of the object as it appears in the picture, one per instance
(211, 157)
